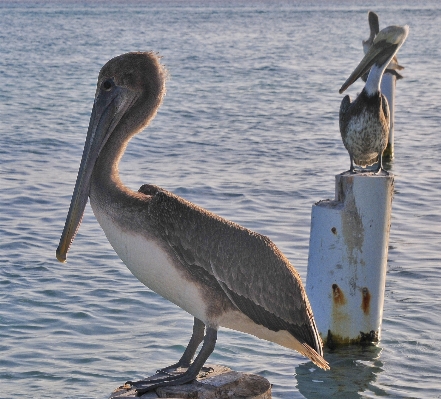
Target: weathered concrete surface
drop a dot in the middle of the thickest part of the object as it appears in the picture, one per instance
(222, 382)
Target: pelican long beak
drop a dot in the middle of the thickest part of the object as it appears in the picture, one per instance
(111, 103)
(385, 46)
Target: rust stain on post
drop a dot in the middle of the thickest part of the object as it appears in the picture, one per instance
(333, 340)
(337, 295)
(366, 300)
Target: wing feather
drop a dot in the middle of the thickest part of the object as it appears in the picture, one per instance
(250, 269)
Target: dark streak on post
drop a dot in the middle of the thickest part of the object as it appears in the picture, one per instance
(338, 296)
(366, 300)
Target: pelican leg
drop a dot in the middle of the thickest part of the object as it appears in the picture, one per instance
(380, 164)
(187, 357)
(351, 169)
(192, 372)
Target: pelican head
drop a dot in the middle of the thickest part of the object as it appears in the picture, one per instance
(130, 84)
(385, 45)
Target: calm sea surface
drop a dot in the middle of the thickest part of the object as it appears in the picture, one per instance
(249, 130)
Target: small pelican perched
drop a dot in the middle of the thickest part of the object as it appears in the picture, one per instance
(364, 123)
(216, 270)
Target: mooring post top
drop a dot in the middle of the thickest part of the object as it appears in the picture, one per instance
(367, 187)
(220, 382)
(381, 173)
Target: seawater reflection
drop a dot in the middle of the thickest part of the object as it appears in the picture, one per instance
(353, 371)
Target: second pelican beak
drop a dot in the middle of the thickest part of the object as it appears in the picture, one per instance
(386, 44)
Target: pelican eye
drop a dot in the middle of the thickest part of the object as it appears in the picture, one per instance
(107, 84)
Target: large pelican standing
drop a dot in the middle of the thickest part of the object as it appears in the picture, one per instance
(364, 123)
(216, 270)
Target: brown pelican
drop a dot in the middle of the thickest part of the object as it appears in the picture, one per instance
(364, 123)
(219, 272)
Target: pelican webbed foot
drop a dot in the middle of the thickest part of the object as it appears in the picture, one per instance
(178, 378)
(173, 371)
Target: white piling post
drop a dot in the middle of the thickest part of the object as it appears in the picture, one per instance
(347, 260)
(388, 84)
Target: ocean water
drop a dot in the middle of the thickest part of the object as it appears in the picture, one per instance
(249, 130)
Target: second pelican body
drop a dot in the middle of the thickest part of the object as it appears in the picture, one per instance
(364, 123)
